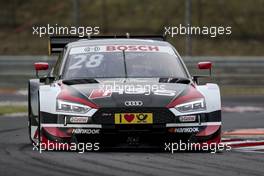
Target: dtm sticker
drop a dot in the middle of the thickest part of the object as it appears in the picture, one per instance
(187, 118)
(79, 119)
(85, 131)
(120, 48)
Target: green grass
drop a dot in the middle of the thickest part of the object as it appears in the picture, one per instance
(242, 91)
(12, 109)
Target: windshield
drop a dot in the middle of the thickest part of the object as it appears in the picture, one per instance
(136, 61)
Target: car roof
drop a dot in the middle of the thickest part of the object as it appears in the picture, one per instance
(85, 42)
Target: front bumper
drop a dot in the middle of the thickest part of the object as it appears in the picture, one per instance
(133, 135)
(165, 128)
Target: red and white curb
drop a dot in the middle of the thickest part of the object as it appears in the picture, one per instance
(241, 109)
(245, 140)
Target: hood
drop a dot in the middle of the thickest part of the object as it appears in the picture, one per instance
(130, 92)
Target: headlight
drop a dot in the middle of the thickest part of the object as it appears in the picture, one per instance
(197, 105)
(69, 107)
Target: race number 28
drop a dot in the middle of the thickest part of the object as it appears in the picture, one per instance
(89, 62)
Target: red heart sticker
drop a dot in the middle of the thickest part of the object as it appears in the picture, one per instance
(129, 117)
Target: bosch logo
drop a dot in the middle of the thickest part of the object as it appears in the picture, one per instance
(133, 103)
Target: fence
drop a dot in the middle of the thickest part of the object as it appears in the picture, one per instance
(227, 71)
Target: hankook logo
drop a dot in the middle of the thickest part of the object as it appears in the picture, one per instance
(133, 103)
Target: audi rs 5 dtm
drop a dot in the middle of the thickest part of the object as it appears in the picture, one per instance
(121, 92)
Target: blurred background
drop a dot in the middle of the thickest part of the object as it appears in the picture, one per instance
(238, 58)
(136, 17)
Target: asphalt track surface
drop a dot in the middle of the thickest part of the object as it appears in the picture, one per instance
(18, 158)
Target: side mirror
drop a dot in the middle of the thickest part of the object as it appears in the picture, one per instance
(205, 65)
(41, 66)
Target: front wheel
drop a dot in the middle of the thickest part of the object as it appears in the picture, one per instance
(32, 122)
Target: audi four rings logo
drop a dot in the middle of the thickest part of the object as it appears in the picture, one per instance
(133, 103)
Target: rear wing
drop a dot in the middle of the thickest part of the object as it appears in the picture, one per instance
(57, 43)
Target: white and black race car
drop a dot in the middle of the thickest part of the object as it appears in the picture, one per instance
(121, 91)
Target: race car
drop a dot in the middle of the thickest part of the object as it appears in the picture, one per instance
(121, 91)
